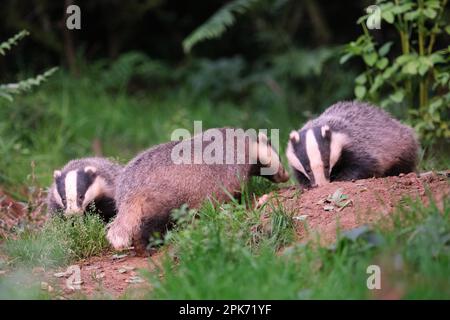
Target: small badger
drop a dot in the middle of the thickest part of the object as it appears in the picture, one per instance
(81, 183)
(351, 140)
(154, 182)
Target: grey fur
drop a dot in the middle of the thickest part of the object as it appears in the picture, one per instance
(378, 145)
(107, 169)
(151, 186)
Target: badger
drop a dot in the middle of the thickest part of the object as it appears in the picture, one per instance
(351, 140)
(82, 183)
(155, 182)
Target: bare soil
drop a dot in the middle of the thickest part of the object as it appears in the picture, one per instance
(318, 215)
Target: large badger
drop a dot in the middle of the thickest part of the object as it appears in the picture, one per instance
(351, 140)
(83, 182)
(155, 182)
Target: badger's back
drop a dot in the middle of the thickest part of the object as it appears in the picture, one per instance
(153, 174)
(372, 134)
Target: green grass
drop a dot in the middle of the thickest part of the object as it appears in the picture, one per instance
(59, 242)
(223, 255)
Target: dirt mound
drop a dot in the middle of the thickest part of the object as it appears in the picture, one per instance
(319, 211)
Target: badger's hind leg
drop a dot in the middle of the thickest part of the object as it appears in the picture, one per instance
(154, 225)
(402, 165)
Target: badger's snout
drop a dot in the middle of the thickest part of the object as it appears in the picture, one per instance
(281, 176)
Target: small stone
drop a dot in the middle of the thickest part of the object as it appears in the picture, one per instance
(122, 270)
(401, 175)
(100, 275)
(89, 268)
(302, 217)
(60, 274)
(134, 279)
(119, 256)
(328, 208)
(129, 268)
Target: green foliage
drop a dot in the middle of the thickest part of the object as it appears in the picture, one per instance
(223, 253)
(216, 25)
(414, 76)
(8, 90)
(8, 44)
(131, 66)
(60, 241)
(63, 119)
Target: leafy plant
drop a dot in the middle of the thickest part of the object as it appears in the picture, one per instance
(8, 90)
(216, 25)
(416, 76)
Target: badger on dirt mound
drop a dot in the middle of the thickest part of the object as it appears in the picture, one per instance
(351, 140)
(158, 180)
(83, 184)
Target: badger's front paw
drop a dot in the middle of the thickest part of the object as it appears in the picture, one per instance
(118, 237)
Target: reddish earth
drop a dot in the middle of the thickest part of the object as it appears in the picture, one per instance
(362, 201)
(315, 211)
(107, 276)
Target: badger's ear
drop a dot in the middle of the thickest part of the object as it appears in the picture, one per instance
(56, 174)
(91, 171)
(294, 136)
(326, 132)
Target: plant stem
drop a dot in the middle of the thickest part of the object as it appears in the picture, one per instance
(404, 38)
(423, 88)
(436, 25)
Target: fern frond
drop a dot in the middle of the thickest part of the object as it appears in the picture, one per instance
(217, 23)
(8, 90)
(8, 44)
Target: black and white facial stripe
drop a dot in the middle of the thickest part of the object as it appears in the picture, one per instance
(75, 189)
(314, 152)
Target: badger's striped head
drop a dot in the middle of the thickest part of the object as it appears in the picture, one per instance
(76, 189)
(314, 152)
(268, 160)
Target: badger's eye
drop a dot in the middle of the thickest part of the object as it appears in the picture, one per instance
(81, 197)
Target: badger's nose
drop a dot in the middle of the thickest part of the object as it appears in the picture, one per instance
(74, 211)
(283, 176)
